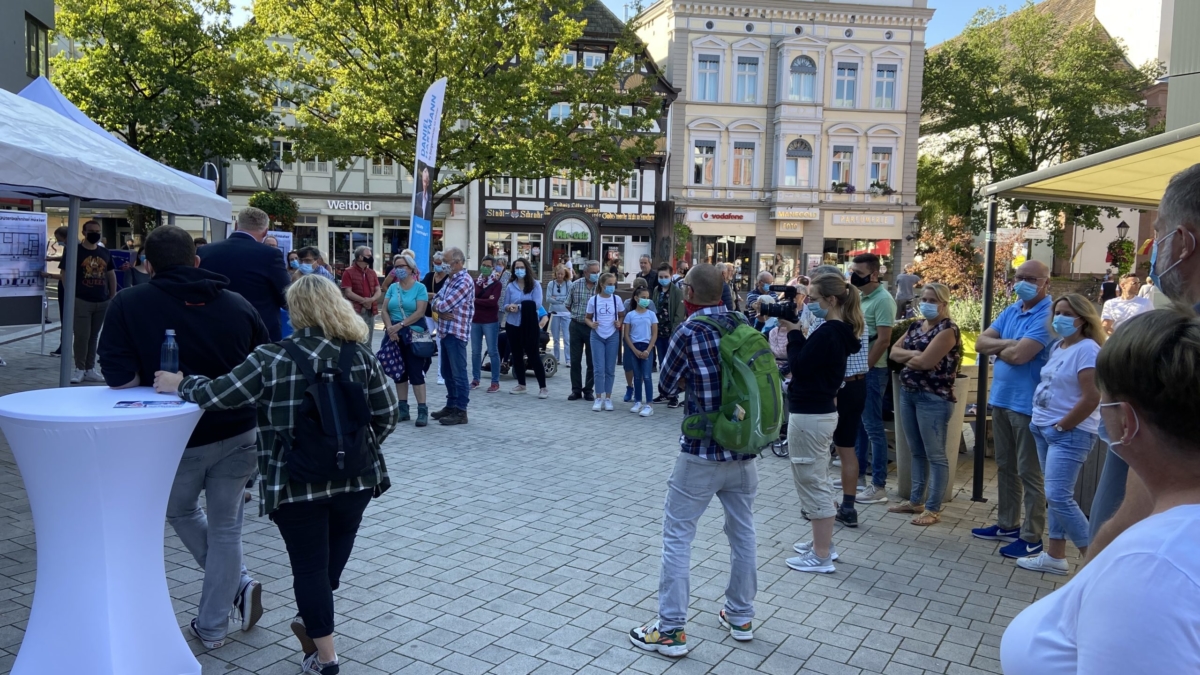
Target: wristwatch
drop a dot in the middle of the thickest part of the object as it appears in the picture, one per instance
(1059, 428)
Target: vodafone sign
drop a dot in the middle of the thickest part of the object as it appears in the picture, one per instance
(720, 216)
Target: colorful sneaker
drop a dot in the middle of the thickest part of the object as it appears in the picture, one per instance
(493, 388)
(997, 533)
(1021, 549)
(628, 394)
(668, 643)
(1042, 562)
(803, 547)
(474, 384)
(313, 666)
(208, 644)
(809, 562)
(741, 633)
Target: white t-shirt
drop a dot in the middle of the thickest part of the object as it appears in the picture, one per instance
(1134, 609)
(606, 312)
(641, 325)
(1120, 310)
(1059, 390)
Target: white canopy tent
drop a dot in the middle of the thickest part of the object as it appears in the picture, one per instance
(44, 155)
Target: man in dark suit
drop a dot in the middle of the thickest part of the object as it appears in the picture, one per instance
(255, 271)
(423, 207)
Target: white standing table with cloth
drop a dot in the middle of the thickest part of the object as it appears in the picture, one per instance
(98, 479)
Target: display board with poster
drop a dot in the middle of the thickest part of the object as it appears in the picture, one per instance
(285, 241)
(22, 262)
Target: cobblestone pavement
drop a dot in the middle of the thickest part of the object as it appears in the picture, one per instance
(528, 541)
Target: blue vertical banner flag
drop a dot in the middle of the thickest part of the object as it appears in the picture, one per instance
(425, 173)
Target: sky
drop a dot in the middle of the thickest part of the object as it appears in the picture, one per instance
(950, 18)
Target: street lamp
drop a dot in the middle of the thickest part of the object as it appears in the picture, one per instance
(1023, 215)
(271, 174)
(1122, 230)
(914, 227)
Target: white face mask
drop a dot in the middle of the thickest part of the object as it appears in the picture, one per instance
(1107, 439)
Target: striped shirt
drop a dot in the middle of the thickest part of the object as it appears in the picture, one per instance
(693, 359)
(455, 305)
(269, 379)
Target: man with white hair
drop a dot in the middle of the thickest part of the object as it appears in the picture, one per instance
(255, 271)
(360, 285)
(455, 306)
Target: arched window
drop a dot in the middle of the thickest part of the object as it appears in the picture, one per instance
(797, 165)
(802, 83)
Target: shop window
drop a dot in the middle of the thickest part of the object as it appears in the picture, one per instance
(841, 252)
(572, 244)
(304, 232)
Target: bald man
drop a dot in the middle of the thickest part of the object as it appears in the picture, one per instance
(1018, 339)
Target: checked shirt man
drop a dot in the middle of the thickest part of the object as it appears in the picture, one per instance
(702, 469)
(455, 307)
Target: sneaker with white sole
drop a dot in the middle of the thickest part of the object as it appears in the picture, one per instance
(519, 389)
(441, 380)
(809, 562)
(637, 407)
(307, 646)
(76, 376)
(208, 644)
(803, 547)
(608, 404)
(667, 643)
(598, 405)
(312, 666)
(1042, 562)
(91, 375)
(249, 604)
(871, 495)
(646, 411)
(741, 633)
(544, 393)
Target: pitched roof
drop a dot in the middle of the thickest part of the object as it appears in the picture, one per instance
(1069, 13)
(601, 22)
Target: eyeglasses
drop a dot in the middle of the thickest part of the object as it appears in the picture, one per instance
(1029, 279)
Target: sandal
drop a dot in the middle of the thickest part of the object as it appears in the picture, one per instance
(928, 518)
(906, 507)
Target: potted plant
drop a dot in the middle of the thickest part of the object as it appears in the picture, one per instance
(881, 188)
(1120, 253)
(842, 188)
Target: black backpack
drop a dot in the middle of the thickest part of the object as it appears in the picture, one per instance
(332, 428)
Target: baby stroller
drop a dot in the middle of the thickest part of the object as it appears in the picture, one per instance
(549, 363)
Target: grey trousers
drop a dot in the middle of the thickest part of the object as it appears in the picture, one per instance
(1019, 475)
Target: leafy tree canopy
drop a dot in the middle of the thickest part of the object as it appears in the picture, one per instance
(1017, 93)
(174, 79)
(357, 72)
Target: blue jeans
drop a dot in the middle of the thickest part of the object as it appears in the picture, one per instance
(560, 335)
(454, 370)
(1110, 492)
(1061, 454)
(642, 371)
(872, 437)
(478, 332)
(689, 492)
(604, 358)
(214, 539)
(925, 417)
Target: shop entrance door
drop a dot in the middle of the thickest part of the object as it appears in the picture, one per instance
(343, 241)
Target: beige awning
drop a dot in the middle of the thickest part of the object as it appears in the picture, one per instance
(1134, 175)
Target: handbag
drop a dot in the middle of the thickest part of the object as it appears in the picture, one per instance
(421, 343)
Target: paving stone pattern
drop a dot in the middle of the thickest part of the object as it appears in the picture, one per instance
(528, 542)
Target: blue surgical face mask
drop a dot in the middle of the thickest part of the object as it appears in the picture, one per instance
(520, 272)
(306, 268)
(141, 258)
(401, 273)
(294, 264)
(929, 310)
(1155, 275)
(1064, 325)
(609, 289)
(441, 268)
(817, 310)
(643, 302)
(1025, 291)
(664, 282)
(594, 277)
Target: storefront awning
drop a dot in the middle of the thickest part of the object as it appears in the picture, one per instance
(1134, 175)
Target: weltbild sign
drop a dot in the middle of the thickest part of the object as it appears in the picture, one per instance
(343, 205)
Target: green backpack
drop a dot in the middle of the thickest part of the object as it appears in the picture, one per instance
(752, 407)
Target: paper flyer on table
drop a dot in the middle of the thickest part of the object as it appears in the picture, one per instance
(148, 404)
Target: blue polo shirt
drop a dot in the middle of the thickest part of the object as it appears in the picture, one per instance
(1013, 386)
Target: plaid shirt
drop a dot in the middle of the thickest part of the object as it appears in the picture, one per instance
(856, 364)
(270, 379)
(694, 355)
(577, 298)
(455, 306)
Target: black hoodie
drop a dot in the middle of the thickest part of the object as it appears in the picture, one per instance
(216, 329)
(818, 366)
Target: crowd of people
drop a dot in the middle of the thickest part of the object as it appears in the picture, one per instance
(1066, 374)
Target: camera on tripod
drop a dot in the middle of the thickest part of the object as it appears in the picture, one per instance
(784, 309)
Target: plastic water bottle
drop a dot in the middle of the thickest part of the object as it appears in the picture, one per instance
(169, 361)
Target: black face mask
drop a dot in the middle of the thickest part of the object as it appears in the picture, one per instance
(859, 280)
(368, 261)
(92, 237)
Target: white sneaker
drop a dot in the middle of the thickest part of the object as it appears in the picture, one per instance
(92, 376)
(647, 411)
(76, 376)
(608, 405)
(803, 547)
(1042, 562)
(837, 463)
(837, 484)
(519, 389)
(598, 405)
(637, 407)
(809, 562)
(871, 495)
(544, 393)
(441, 380)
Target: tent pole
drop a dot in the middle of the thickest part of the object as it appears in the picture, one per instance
(70, 271)
(989, 282)
(170, 218)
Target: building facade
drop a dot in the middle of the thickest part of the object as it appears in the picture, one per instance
(794, 140)
(25, 27)
(556, 220)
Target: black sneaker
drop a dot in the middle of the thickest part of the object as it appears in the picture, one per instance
(587, 396)
(575, 396)
(674, 403)
(457, 417)
(313, 666)
(442, 413)
(847, 517)
(659, 399)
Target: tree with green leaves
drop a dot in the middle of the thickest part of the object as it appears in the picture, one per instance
(173, 79)
(1014, 94)
(280, 207)
(357, 72)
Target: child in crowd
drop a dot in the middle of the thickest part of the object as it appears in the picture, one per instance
(641, 331)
